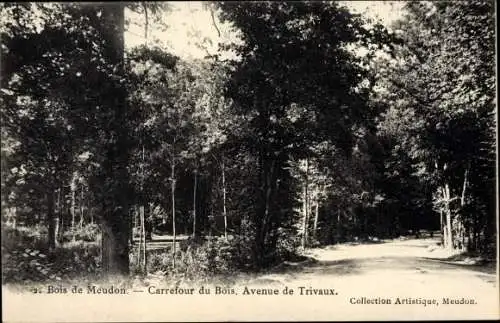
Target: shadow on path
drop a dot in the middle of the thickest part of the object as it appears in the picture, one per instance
(399, 257)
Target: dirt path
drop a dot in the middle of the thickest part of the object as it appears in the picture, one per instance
(416, 269)
(420, 258)
(402, 280)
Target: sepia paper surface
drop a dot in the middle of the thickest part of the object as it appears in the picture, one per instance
(144, 307)
(400, 279)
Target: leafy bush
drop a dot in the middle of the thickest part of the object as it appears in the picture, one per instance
(25, 258)
(61, 264)
(16, 238)
(88, 233)
(195, 259)
(25, 265)
(286, 246)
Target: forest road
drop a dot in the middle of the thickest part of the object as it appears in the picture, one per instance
(411, 268)
(343, 282)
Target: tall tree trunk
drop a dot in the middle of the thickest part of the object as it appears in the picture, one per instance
(115, 212)
(262, 210)
(91, 213)
(316, 217)
(81, 207)
(306, 207)
(464, 230)
(51, 218)
(137, 215)
(224, 211)
(442, 227)
(144, 235)
(114, 246)
(449, 232)
(210, 220)
(143, 240)
(464, 187)
(339, 226)
(195, 187)
(172, 188)
(265, 220)
(14, 217)
(58, 217)
(73, 205)
(474, 233)
(145, 227)
(269, 181)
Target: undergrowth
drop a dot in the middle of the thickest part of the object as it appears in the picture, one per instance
(26, 258)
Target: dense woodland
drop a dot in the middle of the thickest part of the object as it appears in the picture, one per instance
(324, 128)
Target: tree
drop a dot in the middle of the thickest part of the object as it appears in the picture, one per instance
(113, 174)
(292, 54)
(443, 76)
(35, 91)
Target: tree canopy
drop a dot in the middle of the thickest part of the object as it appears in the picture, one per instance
(299, 140)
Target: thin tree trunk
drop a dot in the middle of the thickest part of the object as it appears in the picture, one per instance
(139, 245)
(131, 226)
(81, 207)
(58, 217)
(464, 230)
(224, 211)
(338, 228)
(316, 216)
(91, 213)
(476, 235)
(449, 233)
(194, 201)
(462, 199)
(143, 176)
(475, 229)
(52, 242)
(136, 217)
(306, 206)
(304, 224)
(73, 206)
(14, 217)
(172, 187)
(210, 220)
(143, 236)
(142, 213)
(63, 214)
(442, 227)
(263, 229)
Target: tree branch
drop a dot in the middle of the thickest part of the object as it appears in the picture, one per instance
(213, 21)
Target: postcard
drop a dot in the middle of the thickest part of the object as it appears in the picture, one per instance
(249, 161)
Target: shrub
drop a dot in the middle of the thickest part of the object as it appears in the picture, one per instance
(286, 246)
(25, 258)
(198, 259)
(89, 233)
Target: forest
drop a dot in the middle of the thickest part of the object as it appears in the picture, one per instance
(317, 126)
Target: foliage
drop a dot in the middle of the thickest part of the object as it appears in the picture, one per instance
(26, 259)
(87, 233)
(196, 261)
(297, 105)
(296, 142)
(440, 129)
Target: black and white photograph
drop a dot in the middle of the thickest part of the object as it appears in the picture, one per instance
(249, 161)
